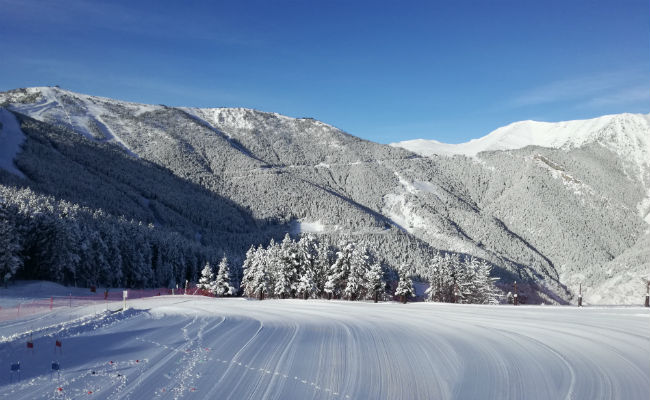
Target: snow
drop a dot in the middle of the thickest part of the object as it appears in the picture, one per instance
(11, 139)
(644, 208)
(23, 291)
(82, 116)
(627, 135)
(309, 227)
(426, 187)
(196, 347)
(620, 131)
(398, 208)
(558, 172)
(239, 117)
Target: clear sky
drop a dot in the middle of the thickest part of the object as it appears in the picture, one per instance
(385, 71)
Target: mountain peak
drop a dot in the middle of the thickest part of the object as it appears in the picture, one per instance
(617, 131)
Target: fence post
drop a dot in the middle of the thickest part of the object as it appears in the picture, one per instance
(516, 296)
(647, 295)
(125, 294)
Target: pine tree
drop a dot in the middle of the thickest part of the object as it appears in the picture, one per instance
(248, 272)
(356, 281)
(485, 292)
(306, 286)
(375, 282)
(405, 285)
(286, 272)
(305, 257)
(467, 283)
(256, 280)
(10, 247)
(270, 261)
(330, 287)
(262, 283)
(222, 285)
(207, 277)
(282, 287)
(442, 278)
(322, 264)
(339, 271)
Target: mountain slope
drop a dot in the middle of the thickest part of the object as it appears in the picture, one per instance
(236, 177)
(627, 134)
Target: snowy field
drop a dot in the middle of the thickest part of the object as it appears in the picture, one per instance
(202, 348)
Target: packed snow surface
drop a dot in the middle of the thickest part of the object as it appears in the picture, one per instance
(11, 138)
(203, 348)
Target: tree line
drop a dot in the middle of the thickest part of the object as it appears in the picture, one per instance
(42, 238)
(308, 268)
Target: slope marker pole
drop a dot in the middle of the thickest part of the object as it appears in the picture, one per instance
(580, 296)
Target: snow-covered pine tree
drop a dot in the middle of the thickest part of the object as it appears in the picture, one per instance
(306, 253)
(489, 294)
(207, 277)
(111, 239)
(256, 281)
(292, 262)
(93, 267)
(248, 273)
(375, 282)
(443, 278)
(322, 265)
(222, 284)
(356, 282)
(262, 283)
(307, 287)
(330, 287)
(282, 287)
(405, 285)
(435, 279)
(467, 282)
(10, 262)
(270, 261)
(340, 270)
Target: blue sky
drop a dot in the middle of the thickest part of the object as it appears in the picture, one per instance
(384, 71)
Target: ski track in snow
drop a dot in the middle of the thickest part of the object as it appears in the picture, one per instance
(193, 347)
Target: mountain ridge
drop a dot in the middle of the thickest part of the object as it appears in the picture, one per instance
(516, 135)
(285, 174)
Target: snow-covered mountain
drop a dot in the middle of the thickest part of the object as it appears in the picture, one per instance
(552, 209)
(627, 134)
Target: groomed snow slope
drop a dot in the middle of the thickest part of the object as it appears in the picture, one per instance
(193, 347)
